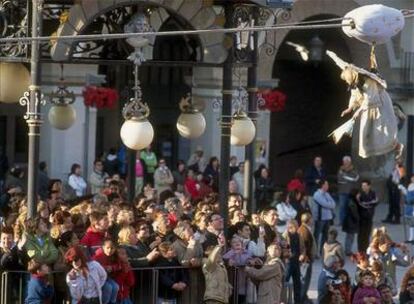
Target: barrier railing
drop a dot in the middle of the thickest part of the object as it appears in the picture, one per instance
(147, 287)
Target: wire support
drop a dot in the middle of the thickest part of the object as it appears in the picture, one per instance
(285, 26)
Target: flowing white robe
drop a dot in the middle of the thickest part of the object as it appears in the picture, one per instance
(378, 123)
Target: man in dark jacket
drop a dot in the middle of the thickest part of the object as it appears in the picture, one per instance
(394, 196)
(172, 281)
(367, 201)
(214, 230)
(111, 163)
(313, 175)
(351, 222)
(270, 219)
(264, 189)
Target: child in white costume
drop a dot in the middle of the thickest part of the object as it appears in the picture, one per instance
(373, 106)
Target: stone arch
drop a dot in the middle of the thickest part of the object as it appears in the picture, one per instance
(198, 15)
(302, 10)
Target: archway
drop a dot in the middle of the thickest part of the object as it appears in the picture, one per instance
(316, 97)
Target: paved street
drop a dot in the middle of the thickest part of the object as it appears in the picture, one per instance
(396, 232)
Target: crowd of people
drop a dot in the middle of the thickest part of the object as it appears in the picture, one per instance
(94, 241)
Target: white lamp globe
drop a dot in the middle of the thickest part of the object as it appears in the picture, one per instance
(14, 81)
(62, 117)
(243, 131)
(191, 125)
(137, 134)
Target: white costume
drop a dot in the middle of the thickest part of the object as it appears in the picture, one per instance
(378, 123)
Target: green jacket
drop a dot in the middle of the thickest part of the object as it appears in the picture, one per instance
(150, 160)
(47, 253)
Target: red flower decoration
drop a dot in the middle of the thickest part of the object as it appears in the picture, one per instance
(274, 101)
(100, 97)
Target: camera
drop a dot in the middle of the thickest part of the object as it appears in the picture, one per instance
(335, 282)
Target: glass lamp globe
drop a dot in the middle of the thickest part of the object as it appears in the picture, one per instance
(191, 125)
(14, 81)
(243, 131)
(137, 133)
(62, 117)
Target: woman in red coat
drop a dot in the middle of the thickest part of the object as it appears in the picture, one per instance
(190, 185)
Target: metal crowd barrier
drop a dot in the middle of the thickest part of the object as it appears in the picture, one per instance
(146, 289)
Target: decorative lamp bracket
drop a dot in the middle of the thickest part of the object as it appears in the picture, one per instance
(186, 105)
(25, 101)
(62, 96)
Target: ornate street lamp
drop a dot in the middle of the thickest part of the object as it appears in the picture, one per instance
(243, 129)
(14, 81)
(137, 132)
(62, 115)
(191, 122)
(244, 42)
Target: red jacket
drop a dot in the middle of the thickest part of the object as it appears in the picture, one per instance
(93, 238)
(296, 184)
(109, 263)
(204, 190)
(191, 187)
(125, 279)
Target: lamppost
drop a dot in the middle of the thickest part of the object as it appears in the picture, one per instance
(136, 132)
(33, 99)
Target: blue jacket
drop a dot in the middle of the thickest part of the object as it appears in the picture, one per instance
(323, 206)
(324, 277)
(38, 292)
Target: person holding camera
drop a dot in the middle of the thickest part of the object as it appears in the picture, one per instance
(269, 278)
(327, 277)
